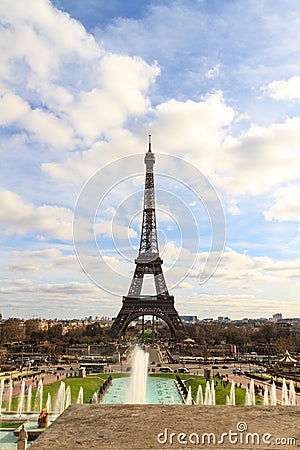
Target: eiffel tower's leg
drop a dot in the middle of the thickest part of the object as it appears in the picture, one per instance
(137, 281)
(159, 279)
(117, 328)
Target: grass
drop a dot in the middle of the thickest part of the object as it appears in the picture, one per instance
(89, 385)
(221, 390)
(10, 425)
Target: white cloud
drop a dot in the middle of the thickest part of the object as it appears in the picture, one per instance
(194, 130)
(48, 266)
(115, 229)
(24, 298)
(212, 73)
(171, 252)
(12, 108)
(128, 90)
(242, 272)
(42, 126)
(33, 32)
(287, 204)
(49, 129)
(284, 90)
(102, 109)
(261, 158)
(21, 217)
(236, 306)
(79, 166)
(185, 285)
(62, 89)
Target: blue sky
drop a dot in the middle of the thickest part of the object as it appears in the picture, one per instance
(217, 84)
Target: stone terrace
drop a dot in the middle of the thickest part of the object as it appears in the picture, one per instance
(89, 427)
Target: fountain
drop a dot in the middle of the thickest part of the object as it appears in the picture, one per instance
(80, 396)
(207, 396)
(95, 397)
(232, 394)
(68, 397)
(273, 399)
(189, 398)
(289, 397)
(21, 398)
(38, 401)
(266, 396)
(292, 394)
(284, 394)
(48, 402)
(29, 397)
(252, 393)
(10, 393)
(141, 389)
(212, 393)
(199, 398)
(61, 398)
(138, 378)
(247, 398)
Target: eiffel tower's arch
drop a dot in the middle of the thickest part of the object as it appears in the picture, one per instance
(152, 312)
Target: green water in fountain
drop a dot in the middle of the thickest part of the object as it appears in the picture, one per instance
(158, 391)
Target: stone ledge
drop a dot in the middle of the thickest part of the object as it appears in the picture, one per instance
(89, 427)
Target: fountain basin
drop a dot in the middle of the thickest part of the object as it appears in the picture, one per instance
(32, 430)
(159, 390)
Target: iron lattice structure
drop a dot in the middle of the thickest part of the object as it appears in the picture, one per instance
(148, 262)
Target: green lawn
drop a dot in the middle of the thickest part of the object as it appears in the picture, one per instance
(89, 385)
(10, 425)
(221, 391)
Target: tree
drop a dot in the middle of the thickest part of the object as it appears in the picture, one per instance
(13, 330)
(31, 326)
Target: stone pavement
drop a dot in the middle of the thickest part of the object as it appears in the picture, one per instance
(91, 427)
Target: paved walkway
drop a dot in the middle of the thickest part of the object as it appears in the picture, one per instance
(34, 380)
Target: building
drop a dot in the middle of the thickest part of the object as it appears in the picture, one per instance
(189, 319)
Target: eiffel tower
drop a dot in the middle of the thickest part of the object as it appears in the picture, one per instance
(148, 262)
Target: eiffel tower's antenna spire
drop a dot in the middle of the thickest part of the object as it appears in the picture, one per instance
(149, 142)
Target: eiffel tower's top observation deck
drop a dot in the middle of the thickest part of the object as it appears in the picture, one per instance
(149, 159)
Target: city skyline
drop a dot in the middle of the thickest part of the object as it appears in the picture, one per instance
(217, 87)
